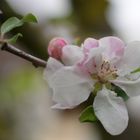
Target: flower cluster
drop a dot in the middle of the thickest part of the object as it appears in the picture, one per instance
(73, 72)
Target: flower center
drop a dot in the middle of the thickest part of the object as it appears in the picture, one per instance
(105, 72)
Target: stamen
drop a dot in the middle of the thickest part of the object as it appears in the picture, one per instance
(106, 72)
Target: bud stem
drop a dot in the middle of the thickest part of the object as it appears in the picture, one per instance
(37, 62)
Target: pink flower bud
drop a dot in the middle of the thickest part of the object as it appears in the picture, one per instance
(55, 47)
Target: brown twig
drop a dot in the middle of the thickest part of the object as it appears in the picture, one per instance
(37, 62)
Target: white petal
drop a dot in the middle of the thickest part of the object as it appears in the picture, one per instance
(70, 88)
(53, 65)
(111, 111)
(59, 106)
(132, 88)
(68, 76)
(131, 59)
(71, 54)
(71, 96)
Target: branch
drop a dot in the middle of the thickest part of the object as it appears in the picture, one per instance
(37, 62)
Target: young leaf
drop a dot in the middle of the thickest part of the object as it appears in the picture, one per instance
(10, 24)
(120, 92)
(29, 18)
(14, 38)
(88, 115)
(14, 22)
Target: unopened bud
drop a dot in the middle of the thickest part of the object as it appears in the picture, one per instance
(55, 47)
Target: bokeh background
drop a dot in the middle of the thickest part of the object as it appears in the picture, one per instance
(25, 100)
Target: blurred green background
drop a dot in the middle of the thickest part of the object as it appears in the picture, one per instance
(25, 100)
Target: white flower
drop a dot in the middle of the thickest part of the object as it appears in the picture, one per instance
(104, 61)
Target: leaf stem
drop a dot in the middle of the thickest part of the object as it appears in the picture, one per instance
(37, 62)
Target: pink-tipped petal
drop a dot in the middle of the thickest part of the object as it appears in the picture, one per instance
(114, 47)
(92, 60)
(90, 43)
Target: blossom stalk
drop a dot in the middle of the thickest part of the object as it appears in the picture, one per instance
(37, 62)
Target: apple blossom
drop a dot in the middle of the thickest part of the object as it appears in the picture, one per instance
(107, 61)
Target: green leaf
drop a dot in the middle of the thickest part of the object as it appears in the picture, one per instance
(29, 18)
(14, 22)
(14, 38)
(88, 115)
(10, 24)
(120, 92)
(135, 71)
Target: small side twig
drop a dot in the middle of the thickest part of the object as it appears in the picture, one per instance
(37, 62)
